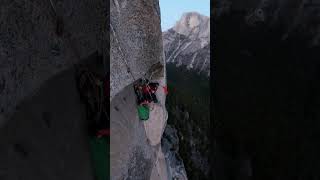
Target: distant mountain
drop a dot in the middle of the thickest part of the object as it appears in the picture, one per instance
(185, 141)
(188, 43)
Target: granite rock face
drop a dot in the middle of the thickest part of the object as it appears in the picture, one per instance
(188, 43)
(135, 41)
(42, 120)
(136, 52)
(31, 50)
(195, 26)
(170, 146)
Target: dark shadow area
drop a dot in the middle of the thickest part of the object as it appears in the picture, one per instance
(48, 136)
(266, 101)
(189, 113)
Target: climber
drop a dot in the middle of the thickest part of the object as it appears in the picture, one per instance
(153, 88)
(149, 90)
(145, 92)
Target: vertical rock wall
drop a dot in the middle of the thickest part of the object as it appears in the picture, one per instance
(136, 40)
(136, 51)
(31, 50)
(42, 121)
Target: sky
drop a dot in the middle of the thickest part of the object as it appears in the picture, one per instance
(172, 10)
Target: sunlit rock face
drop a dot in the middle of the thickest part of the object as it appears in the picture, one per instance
(136, 52)
(134, 41)
(188, 43)
(195, 26)
(170, 146)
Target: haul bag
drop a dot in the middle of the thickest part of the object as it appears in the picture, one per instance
(100, 156)
(143, 112)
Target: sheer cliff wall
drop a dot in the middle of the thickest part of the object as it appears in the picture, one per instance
(136, 51)
(42, 121)
(136, 41)
(32, 50)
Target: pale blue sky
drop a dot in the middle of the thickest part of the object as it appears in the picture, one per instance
(172, 10)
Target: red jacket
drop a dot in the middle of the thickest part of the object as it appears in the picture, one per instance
(146, 89)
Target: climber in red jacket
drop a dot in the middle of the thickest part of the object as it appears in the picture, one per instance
(145, 92)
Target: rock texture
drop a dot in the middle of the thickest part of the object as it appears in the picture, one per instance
(46, 138)
(188, 43)
(135, 42)
(42, 121)
(187, 52)
(31, 51)
(170, 146)
(136, 52)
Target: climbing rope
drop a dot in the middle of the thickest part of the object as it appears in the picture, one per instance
(123, 57)
(122, 53)
(53, 7)
(126, 63)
